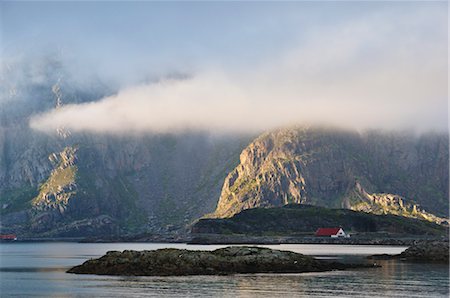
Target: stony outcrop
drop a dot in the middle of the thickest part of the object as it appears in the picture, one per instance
(422, 251)
(60, 185)
(434, 251)
(378, 172)
(381, 203)
(229, 260)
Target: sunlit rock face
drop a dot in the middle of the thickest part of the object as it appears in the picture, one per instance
(374, 171)
(60, 186)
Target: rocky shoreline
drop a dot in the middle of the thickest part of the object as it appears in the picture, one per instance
(243, 239)
(240, 240)
(211, 239)
(424, 251)
(224, 261)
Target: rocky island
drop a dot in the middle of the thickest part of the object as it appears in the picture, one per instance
(224, 261)
(424, 251)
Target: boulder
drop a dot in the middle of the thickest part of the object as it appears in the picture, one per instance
(433, 251)
(423, 251)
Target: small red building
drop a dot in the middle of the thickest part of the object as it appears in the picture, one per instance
(331, 232)
(10, 237)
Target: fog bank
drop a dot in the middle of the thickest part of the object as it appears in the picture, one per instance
(359, 65)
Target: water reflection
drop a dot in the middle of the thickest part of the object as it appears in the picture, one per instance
(39, 269)
(32, 269)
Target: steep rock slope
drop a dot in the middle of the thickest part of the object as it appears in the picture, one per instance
(374, 171)
(64, 184)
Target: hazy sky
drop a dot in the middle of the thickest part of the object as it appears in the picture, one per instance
(251, 65)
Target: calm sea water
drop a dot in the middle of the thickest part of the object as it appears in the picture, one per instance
(38, 270)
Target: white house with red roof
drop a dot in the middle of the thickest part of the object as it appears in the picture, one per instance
(331, 232)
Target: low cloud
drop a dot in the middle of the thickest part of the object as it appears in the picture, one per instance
(357, 75)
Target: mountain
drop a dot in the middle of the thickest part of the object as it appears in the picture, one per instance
(81, 184)
(301, 220)
(67, 184)
(378, 172)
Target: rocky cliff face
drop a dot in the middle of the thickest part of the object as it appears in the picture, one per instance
(374, 172)
(66, 184)
(384, 203)
(61, 185)
(81, 184)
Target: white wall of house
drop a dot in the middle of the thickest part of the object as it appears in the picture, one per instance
(340, 233)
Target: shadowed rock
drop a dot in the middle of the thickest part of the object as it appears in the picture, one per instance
(424, 251)
(229, 260)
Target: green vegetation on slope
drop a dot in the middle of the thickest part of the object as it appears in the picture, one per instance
(297, 219)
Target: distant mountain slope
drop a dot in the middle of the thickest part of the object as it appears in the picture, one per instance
(149, 184)
(295, 219)
(65, 184)
(375, 172)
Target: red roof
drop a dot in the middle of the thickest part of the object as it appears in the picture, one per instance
(327, 231)
(7, 236)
